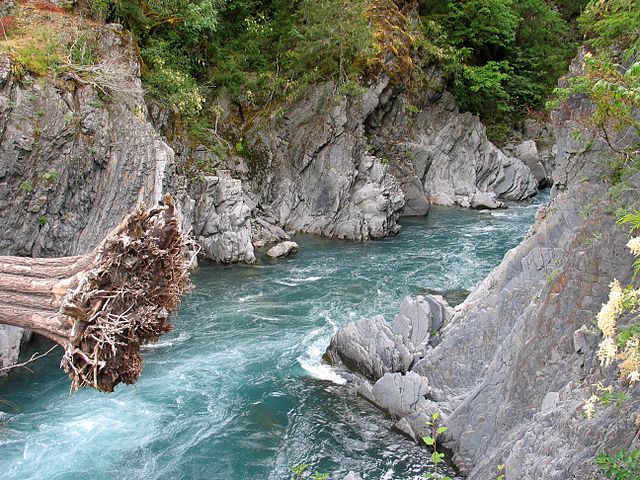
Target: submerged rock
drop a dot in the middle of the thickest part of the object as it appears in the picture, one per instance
(352, 476)
(452, 297)
(485, 200)
(283, 249)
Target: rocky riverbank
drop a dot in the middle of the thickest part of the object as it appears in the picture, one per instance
(512, 368)
(74, 161)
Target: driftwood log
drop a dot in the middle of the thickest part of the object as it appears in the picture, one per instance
(101, 307)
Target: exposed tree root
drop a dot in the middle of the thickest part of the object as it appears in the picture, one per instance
(103, 306)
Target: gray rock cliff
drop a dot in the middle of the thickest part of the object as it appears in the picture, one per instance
(516, 362)
(312, 172)
(74, 162)
(447, 152)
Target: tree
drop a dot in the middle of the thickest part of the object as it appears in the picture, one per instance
(102, 306)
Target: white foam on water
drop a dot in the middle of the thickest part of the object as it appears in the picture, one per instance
(247, 298)
(307, 279)
(311, 359)
(294, 282)
(321, 372)
(286, 284)
(183, 337)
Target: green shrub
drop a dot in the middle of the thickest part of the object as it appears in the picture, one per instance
(502, 57)
(625, 465)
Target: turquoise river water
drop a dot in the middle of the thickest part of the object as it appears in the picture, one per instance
(237, 390)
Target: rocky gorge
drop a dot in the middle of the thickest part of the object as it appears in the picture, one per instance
(73, 163)
(508, 370)
(511, 368)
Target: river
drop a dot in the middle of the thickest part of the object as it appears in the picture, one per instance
(237, 391)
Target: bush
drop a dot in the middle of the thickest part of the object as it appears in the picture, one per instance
(622, 466)
(502, 56)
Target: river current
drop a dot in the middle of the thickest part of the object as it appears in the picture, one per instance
(237, 390)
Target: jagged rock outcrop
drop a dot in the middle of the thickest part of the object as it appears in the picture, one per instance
(448, 152)
(535, 145)
(463, 161)
(517, 360)
(348, 165)
(373, 347)
(221, 220)
(70, 166)
(312, 172)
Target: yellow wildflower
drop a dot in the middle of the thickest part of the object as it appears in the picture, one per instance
(607, 320)
(609, 313)
(607, 351)
(634, 246)
(589, 407)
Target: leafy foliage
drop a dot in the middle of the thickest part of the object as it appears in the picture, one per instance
(611, 22)
(503, 56)
(432, 441)
(621, 466)
(610, 78)
(258, 50)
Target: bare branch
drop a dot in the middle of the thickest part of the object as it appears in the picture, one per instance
(33, 358)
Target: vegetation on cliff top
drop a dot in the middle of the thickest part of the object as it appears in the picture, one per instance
(500, 58)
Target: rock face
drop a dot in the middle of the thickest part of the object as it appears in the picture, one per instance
(312, 172)
(73, 164)
(517, 360)
(448, 153)
(10, 340)
(222, 224)
(71, 168)
(537, 149)
(373, 347)
(348, 166)
(464, 163)
(283, 249)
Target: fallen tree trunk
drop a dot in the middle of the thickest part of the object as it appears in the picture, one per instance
(101, 307)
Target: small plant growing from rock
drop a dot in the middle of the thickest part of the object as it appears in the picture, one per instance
(51, 177)
(432, 441)
(604, 396)
(352, 89)
(411, 109)
(551, 276)
(26, 186)
(300, 471)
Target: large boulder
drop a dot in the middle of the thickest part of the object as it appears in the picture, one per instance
(373, 346)
(221, 220)
(282, 249)
(369, 347)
